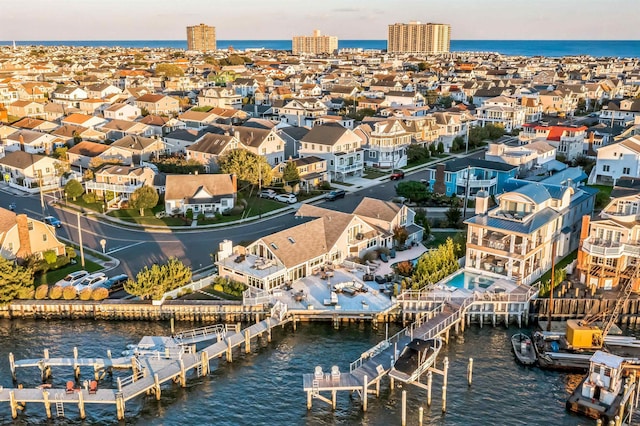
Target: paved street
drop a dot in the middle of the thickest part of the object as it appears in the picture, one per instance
(136, 248)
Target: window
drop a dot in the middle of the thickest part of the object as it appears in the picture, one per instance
(605, 168)
(44, 237)
(30, 226)
(626, 171)
(373, 154)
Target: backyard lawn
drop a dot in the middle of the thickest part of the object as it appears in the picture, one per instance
(439, 238)
(52, 277)
(149, 218)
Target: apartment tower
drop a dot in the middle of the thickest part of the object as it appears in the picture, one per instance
(416, 37)
(314, 44)
(201, 38)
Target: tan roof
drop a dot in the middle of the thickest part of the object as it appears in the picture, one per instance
(68, 130)
(377, 209)
(20, 159)
(296, 245)
(7, 219)
(88, 149)
(633, 143)
(150, 97)
(134, 143)
(186, 186)
(211, 143)
(77, 118)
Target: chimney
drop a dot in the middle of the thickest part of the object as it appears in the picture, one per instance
(592, 137)
(583, 263)
(482, 202)
(439, 187)
(23, 236)
(234, 182)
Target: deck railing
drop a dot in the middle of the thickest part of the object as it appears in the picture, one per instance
(202, 332)
(123, 382)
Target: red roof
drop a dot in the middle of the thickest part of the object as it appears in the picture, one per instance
(554, 133)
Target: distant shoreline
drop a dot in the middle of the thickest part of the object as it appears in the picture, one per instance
(548, 48)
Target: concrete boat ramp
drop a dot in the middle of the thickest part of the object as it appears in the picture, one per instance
(154, 361)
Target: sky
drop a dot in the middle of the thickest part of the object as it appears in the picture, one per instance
(346, 19)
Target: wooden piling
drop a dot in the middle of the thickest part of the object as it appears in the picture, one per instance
(404, 408)
(470, 371)
(334, 397)
(156, 381)
(81, 405)
(47, 403)
(229, 354)
(247, 341)
(13, 404)
(12, 365)
(429, 383)
(205, 363)
(183, 375)
(420, 415)
(365, 386)
(445, 371)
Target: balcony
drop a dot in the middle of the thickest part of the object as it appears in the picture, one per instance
(350, 168)
(477, 183)
(606, 248)
(118, 188)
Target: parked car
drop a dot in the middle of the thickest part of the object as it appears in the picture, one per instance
(335, 194)
(286, 198)
(397, 175)
(53, 221)
(115, 283)
(90, 281)
(72, 278)
(268, 193)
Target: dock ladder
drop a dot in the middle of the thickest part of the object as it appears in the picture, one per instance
(316, 388)
(59, 406)
(199, 370)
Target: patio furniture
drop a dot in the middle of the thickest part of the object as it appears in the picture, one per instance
(335, 373)
(318, 372)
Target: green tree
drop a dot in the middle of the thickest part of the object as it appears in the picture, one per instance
(50, 257)
(417, 153)
(458, 144)
(453, 215)
(421, 219)
(247, 166)
(169, 70)
(73, 189)
(440, 148)
(413, 190)
(446, 101)
(290, 175)
(431, 97)
(144, 197)
(60, 153)
(436, 264)
(176, 274)
(360, 114)
(422, 66)
(13, 279)
(154, 282)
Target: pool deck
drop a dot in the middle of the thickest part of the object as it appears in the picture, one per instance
(384, 268)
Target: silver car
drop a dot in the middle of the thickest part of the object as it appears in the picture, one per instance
(72, 279)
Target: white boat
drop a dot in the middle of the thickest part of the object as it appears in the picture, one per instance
(523, 349)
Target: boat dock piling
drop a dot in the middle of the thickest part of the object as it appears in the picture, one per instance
(154, 361)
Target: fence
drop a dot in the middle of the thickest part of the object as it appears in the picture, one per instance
(192, 286)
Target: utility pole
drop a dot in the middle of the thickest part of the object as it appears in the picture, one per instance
(80, 241)
(466, 194)
(553, 278)
(466, 143)
(39, 172)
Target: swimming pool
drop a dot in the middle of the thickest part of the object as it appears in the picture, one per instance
(468, 280)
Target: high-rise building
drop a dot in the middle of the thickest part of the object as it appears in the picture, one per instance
(316, 43)
(416, 37)
(201, 37)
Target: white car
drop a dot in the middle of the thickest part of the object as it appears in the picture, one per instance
(268, 193)
(92, 281)
(72, 279)
(286, 198)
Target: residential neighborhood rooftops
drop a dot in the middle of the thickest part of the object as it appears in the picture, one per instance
(20, 159)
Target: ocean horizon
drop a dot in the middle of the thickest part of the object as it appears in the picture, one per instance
(549, 48)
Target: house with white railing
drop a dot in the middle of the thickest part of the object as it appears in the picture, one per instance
(385, 143)
(517, 238)
(609, 251)
(120, 180)
(339, 146)
(501, 111)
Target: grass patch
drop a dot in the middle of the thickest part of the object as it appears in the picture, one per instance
(337, 182)
(370, 173)
(51, 277)
(209, 289)
(255, 206)
(89, 251)
(82, 205)
(561, 264)
(439, 238)
(149, 218)
(602, 188)
(603, 197)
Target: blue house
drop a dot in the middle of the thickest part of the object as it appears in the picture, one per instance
(470, 175)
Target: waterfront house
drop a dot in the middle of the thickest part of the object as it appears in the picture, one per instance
(616, 160)
(610, 245)
(341, 148)
(121, 181)
(22, 237)
(516, 238)
(208, 194)
(462, 175)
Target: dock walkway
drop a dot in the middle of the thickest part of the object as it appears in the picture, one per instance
(154, 361)
(377, 362)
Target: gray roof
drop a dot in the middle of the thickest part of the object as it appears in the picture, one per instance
(535, 222)
(536, 192)
(462, 163)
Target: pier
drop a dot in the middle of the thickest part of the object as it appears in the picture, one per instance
(377, 362)
(155, 360)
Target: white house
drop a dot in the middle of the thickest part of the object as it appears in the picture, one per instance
(341, 147)
(617, 160)
(208, 194)
(302, 112)
(121, 111)
(501, 111)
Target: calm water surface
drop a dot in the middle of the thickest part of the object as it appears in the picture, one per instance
(265, 387)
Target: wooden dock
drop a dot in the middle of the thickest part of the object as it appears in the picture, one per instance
(375, 363)
(156, 360)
